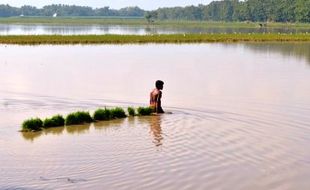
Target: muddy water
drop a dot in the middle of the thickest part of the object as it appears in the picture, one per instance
(39, 29)
(240, 117)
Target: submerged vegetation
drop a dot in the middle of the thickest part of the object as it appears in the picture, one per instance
(82, 117)
(162, 38)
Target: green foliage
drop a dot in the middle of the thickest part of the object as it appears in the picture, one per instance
(235, 10)
(33, 124)
(150, 16)
(69, 10)
(7, 11)
(117, 113)
(224, 10)
(55, 121)
(102, 114)
(131, 111)
(130, 12)
(302, 10)
(74, 20)
(145, 111)
(77, 118)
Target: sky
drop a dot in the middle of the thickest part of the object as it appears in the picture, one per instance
(115, 4)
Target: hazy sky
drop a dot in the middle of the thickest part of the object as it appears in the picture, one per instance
(145, 4)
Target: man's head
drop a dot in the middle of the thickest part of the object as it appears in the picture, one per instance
(159, 84)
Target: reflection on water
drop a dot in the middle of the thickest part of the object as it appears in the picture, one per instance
(77, 129)
(155, 130)
(240, 117)
(19, 29)
(54, 131)
(104, 125)
(299, 50)
(152, 121)
(31, 136)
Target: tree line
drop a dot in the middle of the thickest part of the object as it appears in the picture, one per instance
(69, 10)
(235, 10)
(225, 10)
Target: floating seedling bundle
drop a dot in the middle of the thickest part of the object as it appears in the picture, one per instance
(82, 117)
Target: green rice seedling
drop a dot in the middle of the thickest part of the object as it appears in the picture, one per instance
(33, 124)
(55, 121)
(77, 118)
(118, 113)
(84, 116)
(145, 111)
(102, 114)
(131, 111)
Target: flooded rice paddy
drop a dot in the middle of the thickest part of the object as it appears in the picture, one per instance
(241, 115)
(41, 29)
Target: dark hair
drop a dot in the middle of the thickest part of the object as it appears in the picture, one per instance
(159, 83)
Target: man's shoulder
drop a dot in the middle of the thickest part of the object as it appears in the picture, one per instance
(155, 91)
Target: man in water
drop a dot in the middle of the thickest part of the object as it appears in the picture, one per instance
(155, 97)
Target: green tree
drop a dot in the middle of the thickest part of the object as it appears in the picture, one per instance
(7, 11)
(302, 10)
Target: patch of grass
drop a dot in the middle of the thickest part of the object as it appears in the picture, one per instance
(158, 38)
(102, 114)
(33, 124)
(117, 113)
(145, 111)
(55, 121)
(77, 118)
(131, 111)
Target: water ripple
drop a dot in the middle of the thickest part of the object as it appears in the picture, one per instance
(260, 148)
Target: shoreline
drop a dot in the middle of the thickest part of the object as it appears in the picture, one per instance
(137, 21)
(145, 39)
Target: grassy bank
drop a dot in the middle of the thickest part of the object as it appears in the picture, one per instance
(143, 22)
(140, 39)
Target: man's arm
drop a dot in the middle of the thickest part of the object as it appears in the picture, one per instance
(159, 109)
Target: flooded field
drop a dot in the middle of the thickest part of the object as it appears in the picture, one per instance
(240, 116)
(40, 29)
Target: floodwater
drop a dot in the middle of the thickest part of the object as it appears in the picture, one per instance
(39, 29)
(241, 115)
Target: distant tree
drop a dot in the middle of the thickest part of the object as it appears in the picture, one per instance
(106, 11)
(302, 10)
(7, 11)
(131, 11)
(29, 11)
(151, 16)
(221, 10)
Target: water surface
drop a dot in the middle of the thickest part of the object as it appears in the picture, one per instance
(240, 116)
(41, 29)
